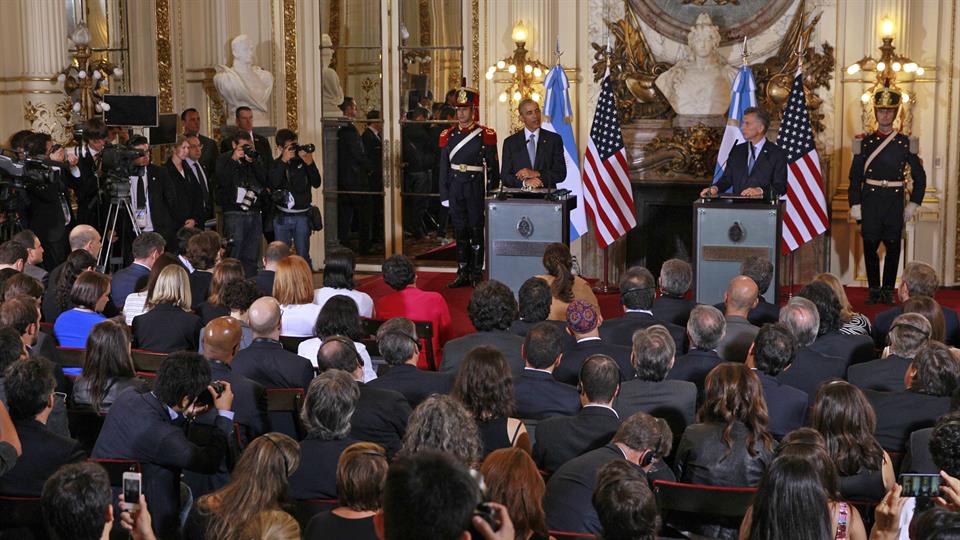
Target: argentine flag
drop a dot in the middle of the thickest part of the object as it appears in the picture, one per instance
(558, 114)
(742, 95)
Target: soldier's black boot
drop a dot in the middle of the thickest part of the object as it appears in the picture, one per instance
(886, 296)
(463, 260)
(476, 255)
(463, 278)
(874, 297)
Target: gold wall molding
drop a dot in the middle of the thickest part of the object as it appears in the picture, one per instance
(164, 57)
(426, 26)
(50, 79)
(290, 61)
(52, 118)
(475, 40)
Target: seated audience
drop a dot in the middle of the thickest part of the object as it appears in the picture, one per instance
(637, 292)
(259, 484)
(265, 360)
(931, 310)
(272, 525)
(56, 299)
(168, 325)
(641, 440)
(564, 286)
(382, 414)
(935, 524)
(583, 324)
(852, 323)
(705, 328)
(484, 385)
(338, 317)
(293, 289)
(626, 507)
(89, 295)
(534, 298)
(538, 394)
(810, 367)
(562, 438)
(908, 334)
(443, 424)
(918, 279)
(739, 332)
(760, 270)
(338, 280)
(184, 234)
(204, 251)
(361, 472)
(853, 349)
(136, 302)
(30, 396)
(33, 267)
(21, 285)
(771, 354)
(842, 414)
(226, 272)
(414, 304)
(930, 380)
(917, 458)
(20, 313)
(10, 448)
(492, 309)
(400, 349)
(512, 479)
(328, 409)
(675, 278)
(146, 248)
(151, 428)
(77, 503)
(275, 251)
(107, 368)
(238, 296)
(12, 349)
(674, 401)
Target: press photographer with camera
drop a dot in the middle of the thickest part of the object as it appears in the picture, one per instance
(48, 213)
(152, 198)
(88, 189)
(291, 179)
(241, 180)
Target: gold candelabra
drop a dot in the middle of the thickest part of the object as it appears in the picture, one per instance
(525, 74)
(86, 80)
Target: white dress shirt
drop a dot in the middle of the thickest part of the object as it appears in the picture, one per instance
(298, 319)
(308, 349)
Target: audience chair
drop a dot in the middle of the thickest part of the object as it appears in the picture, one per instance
(560, 535)
(85, 425)
(116, 467)
(70, 357)
(22, 518)
(146, 361)
(283, 410)
(47, 328)
(424, 334)
(306, 509)
(678, 502)
(292, 343)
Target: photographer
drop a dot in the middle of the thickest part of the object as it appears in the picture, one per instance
(48, 214)
(151, 197)
(241, 180)
(291, 178)
(90, 207)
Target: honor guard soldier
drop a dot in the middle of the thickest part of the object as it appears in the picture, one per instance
(877, 193)
(468, 168)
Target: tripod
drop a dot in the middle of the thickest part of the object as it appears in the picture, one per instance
(118, 202)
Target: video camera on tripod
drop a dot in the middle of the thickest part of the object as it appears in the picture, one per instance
(118, 163)
(16, 174)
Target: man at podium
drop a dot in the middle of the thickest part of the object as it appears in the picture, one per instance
(756, 168)
(532, 157)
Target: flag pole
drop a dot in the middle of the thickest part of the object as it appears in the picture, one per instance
(791, 258)
(604, 286)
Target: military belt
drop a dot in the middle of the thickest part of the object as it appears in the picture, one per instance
(884, 183)
(462, 167)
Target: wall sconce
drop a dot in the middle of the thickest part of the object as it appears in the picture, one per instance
(86, 81)
(525, 74)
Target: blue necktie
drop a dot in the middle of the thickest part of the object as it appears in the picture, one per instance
(532, 149)
(751, 160)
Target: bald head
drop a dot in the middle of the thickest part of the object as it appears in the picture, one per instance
(221, 338)
(275, 251)
(264, 317)
(85, 237)
(741, 296)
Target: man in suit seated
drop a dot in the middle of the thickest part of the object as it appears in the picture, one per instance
(77, 503)
(853, 349)
(81, 237)
(740, 298)
(771, 354)
(674, 401)
(534, 302)
(760, 270)
(492, 309)
(918, 458)
(637, 292)
(809, 368)
(625, 504)
(381, 416)
(918, 279)
(30, 397)
(930, 380)
(583, 323)
(533, 157)
(265, 360)
(145, 249)
(29, 240)
(705, 328)
(908, 334)
(641, 440)
(756, 168)
(151, 428)
(538, 394)
(275, 251)
(562, 438)
(675, 279)
(400, 349)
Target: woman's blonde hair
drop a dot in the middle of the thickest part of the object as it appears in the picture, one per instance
(293, 281)
(272, 525)
(172, 287)
(846, 309)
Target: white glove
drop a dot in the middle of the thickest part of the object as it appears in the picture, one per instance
(855, 212)
(909, 210)
(445, 204)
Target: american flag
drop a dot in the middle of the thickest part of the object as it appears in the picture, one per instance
(806, 208)
(606, 181)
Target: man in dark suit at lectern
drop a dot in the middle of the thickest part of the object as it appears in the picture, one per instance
(532, 157)
(755, 168)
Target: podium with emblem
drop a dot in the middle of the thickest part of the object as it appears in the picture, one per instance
(520, 225)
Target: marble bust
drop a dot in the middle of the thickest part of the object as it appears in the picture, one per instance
(699, 84)
(329, 80)
(244, 84)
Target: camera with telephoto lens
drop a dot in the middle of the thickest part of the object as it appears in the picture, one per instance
(280, 197)
(17, 175)
(249, 199)
(308, 148)
(250, 152)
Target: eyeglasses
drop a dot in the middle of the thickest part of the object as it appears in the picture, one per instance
(61, 396)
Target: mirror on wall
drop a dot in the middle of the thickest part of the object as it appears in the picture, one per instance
(107, 22)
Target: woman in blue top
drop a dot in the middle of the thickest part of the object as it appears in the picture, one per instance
(89, 295)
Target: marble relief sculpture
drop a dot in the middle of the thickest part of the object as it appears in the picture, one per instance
(244, 84)
(699, 84)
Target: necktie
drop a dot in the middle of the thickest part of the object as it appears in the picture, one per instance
(532, 149)
(141, 191)
(752, 159)
(203, 183)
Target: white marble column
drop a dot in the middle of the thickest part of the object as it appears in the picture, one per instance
(44, 53)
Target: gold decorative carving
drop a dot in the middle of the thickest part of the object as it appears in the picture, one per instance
(334, 32)
(216, 110)
(475, 41)
(717, 2)
(367, 86)
(694, 151)
(426, 23)
(290, 61)
(164, 57)
(55, 121)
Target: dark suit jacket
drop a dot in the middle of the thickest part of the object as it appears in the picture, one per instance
(316, 477)
(694, 367)
(381, 417)
(764, 313)
(185, 193)
(208, 155)
(674, 401)
(769, 170)
(48, 306)
(538, 395)
(809, 369)
(268, 363)
(164, 203)
(885, 374)
(549, 159)
(562, 438)
(249, 401)
(415, 384)
(522, 328)
(852, 348)
(787, 406)
(620, 331)
(125, 281)
(901, 413)
(166, 328)
(139, 427)
(918, 458)
(577, 353)
(884, 319)
(509, 344)
(373, 149)
(43, 453)
(199, 287)
(353, 167)
(673, 310)
(44, 217)
(264, 281)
